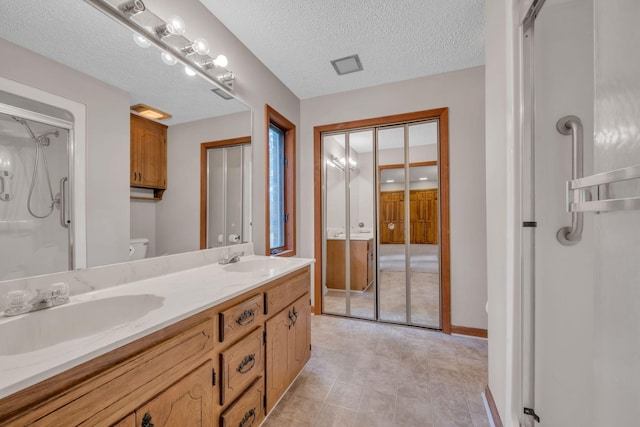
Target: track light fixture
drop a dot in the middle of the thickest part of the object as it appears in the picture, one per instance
(131, 8)
(169, 37)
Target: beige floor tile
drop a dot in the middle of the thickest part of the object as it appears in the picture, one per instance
(377, 403)
(451, 396)
(344, 394)
(413, 411)
(446, 417)
(335, 416)
(392, 367)
(480, 419)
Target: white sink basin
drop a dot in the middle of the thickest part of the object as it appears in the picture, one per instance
(261, 266)
(40, 329)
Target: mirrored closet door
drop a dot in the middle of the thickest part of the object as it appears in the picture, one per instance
(381, 201)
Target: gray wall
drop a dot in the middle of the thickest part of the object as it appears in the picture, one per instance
(463, 93)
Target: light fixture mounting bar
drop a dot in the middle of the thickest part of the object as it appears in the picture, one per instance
(116, 15)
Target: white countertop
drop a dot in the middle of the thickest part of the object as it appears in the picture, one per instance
(185, 293)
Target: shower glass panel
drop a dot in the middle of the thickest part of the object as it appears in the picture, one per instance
(424, 248)
(34, 223)
(227, 199)
(392, 251)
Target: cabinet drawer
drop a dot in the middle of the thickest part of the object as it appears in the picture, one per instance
(241, 317)
(247, 410)
(288, 291)
(241, 364)
(136, 380)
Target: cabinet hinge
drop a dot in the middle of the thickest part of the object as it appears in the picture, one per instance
(264, 337)
(213, 377)
(286, 218)
(529, 411)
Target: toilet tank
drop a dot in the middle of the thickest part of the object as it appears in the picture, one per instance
(138, 248)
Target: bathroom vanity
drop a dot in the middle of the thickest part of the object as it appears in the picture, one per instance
(219, 349)
(362, 263)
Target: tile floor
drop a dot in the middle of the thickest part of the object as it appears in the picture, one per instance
(365, 374)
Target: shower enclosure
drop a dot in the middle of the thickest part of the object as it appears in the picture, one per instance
(381, 234)
(228, 195)
(35, 202)
(580, 196)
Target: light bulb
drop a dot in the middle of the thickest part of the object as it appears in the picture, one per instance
(200, 46)
(175, 25)
(168, 59)
(189, 72)
(141, 41)
(221, 61)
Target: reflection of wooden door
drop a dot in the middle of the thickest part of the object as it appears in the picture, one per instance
(424, 216)
(423, 222)
(392, 217)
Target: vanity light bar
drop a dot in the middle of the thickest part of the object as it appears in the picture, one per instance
(124, 19)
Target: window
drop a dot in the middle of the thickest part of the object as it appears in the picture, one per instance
(281, 187)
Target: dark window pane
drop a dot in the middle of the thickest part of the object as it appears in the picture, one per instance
(276, 188)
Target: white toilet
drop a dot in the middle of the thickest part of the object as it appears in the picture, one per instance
(138, 248)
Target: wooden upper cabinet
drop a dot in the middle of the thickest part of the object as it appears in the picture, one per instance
(189, 402)
(148, 154)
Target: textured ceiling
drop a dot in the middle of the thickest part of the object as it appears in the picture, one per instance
(75, 34)
(396, 39)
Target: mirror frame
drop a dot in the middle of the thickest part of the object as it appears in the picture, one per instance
(204, 185)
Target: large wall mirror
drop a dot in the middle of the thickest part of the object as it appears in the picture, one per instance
(73, 33)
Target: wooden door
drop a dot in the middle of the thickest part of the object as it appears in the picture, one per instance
(300, 336)
(277, 355)
(187, 403)
(424, 216)
(392, 217)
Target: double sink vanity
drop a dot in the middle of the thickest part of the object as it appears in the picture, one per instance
(216, 345)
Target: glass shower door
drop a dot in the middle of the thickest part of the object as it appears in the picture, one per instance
(34, 203)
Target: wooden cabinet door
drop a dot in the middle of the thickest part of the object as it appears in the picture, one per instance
(129, 421)
(148, 153)
(187, 403)
(299, 336)
(277, 355)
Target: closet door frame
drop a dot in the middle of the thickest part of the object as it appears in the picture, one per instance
(442, 115)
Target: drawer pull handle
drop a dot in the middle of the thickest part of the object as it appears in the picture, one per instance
(146, 420)
(250, 361)
(249, 416)
(293, 317)
(246, 317)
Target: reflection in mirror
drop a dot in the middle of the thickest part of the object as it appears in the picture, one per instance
(349, 275)
(408, 219)
(72, 33)
(225, 193)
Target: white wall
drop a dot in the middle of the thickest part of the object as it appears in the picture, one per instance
(500, 108)
(178, 214)
(463, 92)
(107, 136)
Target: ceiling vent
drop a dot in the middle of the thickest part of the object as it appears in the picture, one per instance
(346, 65)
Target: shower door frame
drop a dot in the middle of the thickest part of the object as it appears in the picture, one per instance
(76, 149)
(442, 116)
